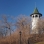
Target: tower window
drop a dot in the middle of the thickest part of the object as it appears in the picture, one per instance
(33, 16)
(36, 15)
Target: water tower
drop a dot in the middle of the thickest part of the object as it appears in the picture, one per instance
(35, 17)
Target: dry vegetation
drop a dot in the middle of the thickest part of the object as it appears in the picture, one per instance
(21, 23)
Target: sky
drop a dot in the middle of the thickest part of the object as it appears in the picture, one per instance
(18, 7)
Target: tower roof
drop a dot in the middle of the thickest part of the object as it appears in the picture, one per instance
(36, 10)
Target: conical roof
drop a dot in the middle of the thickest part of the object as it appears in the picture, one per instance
(36, 10)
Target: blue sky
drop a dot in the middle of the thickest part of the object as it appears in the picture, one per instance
(17, 7)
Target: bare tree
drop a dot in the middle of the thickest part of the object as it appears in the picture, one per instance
(1, 29)
(23, 22)
(6, 25)
(41, 26)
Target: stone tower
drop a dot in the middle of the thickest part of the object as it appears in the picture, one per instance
(35, 18)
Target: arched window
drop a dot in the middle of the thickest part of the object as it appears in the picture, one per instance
(36, 15)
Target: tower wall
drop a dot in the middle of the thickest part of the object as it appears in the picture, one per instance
(35, 21)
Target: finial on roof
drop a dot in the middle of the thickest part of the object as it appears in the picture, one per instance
(35, 10)
(35, 4)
